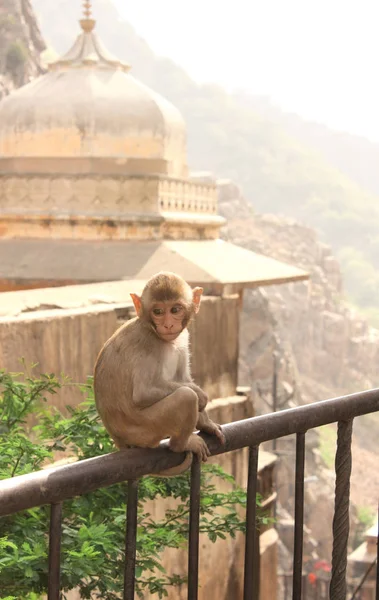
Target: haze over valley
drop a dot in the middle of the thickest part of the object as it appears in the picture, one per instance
(315, 61)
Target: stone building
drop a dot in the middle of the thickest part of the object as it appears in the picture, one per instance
(94, 183)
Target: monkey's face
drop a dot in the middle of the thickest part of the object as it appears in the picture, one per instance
(169, 319)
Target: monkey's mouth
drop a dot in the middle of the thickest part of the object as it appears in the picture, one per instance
(170, 335)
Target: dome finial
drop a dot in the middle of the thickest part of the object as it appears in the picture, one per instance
(87, 24)
(87, 9)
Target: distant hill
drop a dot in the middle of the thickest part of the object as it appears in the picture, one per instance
(283, 164)
(354, 155)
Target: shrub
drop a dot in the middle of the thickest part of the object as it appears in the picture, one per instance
(93, 524)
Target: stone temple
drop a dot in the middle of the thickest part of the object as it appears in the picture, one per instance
(95, 186)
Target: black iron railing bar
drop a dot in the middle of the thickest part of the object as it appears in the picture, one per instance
(55, 537)
(60, 483)
(250, 575)
(299, 517)
(193, 534)
(130, 540)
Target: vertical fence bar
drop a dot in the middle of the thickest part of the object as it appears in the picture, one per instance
(299, 517)
(193, 536)
(55, 537)
(341, 524)
(250, 576)
(275, 393)
(130, 539)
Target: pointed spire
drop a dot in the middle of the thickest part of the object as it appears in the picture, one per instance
(87, 24)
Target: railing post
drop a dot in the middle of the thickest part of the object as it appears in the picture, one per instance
(55, 536)
(341, 523)
(251, 577)
(299, 518)
(130, 539)
(193, 537)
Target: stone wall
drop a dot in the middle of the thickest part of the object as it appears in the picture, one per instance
(68, 341)
(221, 564)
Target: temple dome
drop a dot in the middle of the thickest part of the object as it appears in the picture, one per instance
(89, 106)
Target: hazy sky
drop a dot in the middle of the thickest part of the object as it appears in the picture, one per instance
(319, 58)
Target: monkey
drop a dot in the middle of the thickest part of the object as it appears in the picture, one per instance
(144, 391)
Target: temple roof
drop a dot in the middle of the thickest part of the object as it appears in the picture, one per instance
(198, 262)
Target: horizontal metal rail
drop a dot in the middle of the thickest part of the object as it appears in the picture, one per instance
(53, 485)
(56, 484)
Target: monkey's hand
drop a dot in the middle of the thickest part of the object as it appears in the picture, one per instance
(205, 424)
(215, 429)
(197, 445)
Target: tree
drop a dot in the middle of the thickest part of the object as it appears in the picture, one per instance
(93, 524)
(15, 60)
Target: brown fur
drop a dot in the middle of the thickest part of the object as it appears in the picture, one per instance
(143, 387)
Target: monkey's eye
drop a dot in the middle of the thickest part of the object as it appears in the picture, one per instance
(176, 309)
(157, 312)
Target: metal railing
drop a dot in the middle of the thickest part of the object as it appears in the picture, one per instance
(53, 486)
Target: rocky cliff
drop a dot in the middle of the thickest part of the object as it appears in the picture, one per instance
(331, 343)
(20, 46)
(321, 347)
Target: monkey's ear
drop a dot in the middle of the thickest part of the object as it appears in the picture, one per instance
(196, 298)
(137, 303)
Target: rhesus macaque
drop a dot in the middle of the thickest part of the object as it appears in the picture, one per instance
(143, 386)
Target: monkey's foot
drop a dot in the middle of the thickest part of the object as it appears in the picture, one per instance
(197, 445)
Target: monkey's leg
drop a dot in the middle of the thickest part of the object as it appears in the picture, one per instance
(176, 416)
(182, 436)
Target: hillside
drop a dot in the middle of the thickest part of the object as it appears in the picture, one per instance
(281, 170)
(325, 350)
(355, 156)
(21, 44)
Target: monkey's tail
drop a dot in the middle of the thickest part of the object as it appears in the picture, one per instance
(178, 470)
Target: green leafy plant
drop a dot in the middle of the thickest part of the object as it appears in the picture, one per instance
(94, 524)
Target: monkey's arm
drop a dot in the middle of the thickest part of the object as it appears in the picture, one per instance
(146, 394)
